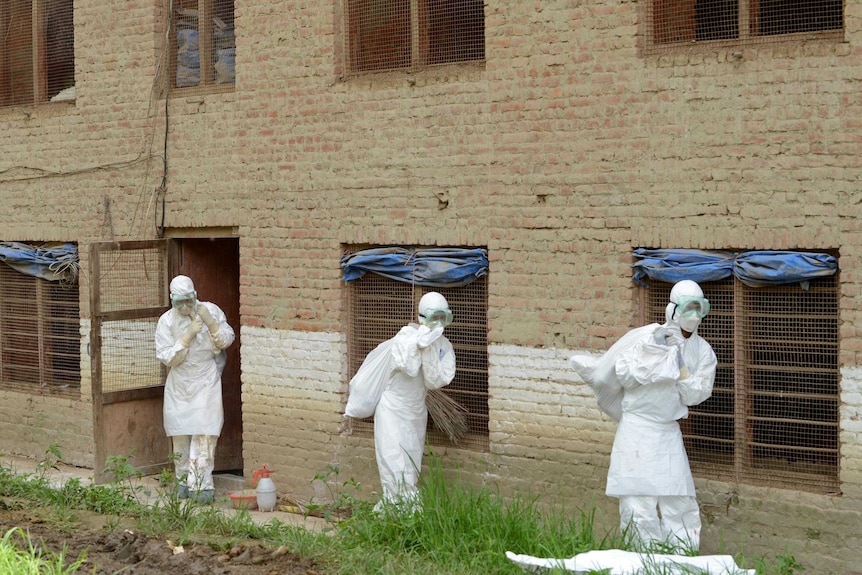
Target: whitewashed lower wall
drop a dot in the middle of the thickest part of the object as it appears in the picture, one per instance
(547, 438)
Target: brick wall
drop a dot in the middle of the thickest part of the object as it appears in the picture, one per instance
(560, 154)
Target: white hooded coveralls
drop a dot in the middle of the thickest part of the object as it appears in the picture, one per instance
(401, 415)
(193, 401)
(637, 383)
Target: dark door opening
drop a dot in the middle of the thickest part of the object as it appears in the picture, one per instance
(213, 265)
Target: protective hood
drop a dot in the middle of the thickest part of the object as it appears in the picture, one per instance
(685, 290)
(182, 287)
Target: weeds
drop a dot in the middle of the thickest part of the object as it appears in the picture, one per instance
(20, 557)
(459, 530)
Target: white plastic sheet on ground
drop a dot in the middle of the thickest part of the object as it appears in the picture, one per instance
(630, 563)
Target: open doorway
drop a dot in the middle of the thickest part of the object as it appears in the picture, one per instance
(213, 265)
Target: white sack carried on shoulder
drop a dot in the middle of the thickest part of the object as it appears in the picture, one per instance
(620, 562)
(367, 385)
(600, 372)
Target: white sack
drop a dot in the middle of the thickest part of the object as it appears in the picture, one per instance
(600, 373)
(367, 385)
(630, 563)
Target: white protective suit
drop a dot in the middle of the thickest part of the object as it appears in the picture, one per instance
(193, 412)
(421, 359)
(647, 386)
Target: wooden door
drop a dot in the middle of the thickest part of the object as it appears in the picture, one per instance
(128, 294)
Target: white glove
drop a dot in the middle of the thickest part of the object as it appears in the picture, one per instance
(217, 341)
(684, 373)
(207, 318)
(669, 335)
(191, 332)
(427, 336)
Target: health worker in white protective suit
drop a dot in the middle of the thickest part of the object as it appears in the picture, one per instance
(646, 381)
(422, 359)
(190, 339)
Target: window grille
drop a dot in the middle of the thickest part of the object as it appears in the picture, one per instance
(411, 34)
(675, 23)
(39, 335)
(773, 418)
(37, 51)
(379, 307)
(203, 46)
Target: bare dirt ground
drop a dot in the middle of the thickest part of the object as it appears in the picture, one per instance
(121, 550)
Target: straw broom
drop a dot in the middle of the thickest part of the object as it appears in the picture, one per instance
(449, 416)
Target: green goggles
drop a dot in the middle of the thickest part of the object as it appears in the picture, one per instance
(692, 306)
(180, 303)
(436, 317)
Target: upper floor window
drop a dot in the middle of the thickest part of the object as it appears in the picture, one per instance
(682, 22)
(37, 51)
(411, 34)
(203, 44)
(40, 320)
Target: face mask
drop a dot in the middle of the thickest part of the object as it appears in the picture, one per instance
(689, 324)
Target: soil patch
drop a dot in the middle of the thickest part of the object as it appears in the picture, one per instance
(122, 550)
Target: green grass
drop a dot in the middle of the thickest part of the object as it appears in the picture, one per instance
(461, 530)
(18, 556)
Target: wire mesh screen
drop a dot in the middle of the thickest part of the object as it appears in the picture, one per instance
(774, 413)
(399, 34)
(203, 45)
(39, 334)
(379, 307)
(128, 355)
(132, 279)
(681, 22)
(129, 281)
(37, 51)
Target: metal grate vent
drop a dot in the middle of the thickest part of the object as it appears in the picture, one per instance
(773, 418)
(379, 307)
(410, 34)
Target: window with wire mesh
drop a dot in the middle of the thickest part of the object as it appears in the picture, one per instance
(672, 23)
(37, 51)
(379, 307)
(203, 46)
(412, 34)
(39, 335)
(773, 416)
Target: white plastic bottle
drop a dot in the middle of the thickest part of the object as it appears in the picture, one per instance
(265, 490)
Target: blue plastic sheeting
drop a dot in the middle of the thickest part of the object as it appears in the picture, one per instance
(753, 268)
(672, 266)
(50, 261)
(432, 267)
(764, 268)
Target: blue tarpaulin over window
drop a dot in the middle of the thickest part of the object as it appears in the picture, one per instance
(753, 268)
(50, 261)
(431, 267)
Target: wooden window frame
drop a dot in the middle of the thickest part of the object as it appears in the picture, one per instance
(672, 25)
(420, 54)
(760, 373)
(41, 73)
(206, 50)
(40, 335)
(378, 307)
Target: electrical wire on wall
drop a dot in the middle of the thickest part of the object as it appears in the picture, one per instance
(161, 191)
(146, 200)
